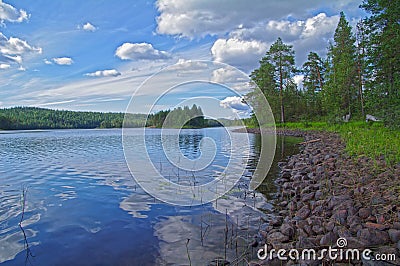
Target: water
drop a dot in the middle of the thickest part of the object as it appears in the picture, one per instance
(83, 207)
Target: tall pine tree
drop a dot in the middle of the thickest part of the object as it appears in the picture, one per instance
(275, 75)
(383, 59)
(340, 92)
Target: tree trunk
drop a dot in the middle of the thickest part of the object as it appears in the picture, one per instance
(281, 94)
(360, 88)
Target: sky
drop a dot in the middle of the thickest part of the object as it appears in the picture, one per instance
(96, 55)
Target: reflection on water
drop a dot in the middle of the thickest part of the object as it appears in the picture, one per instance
(83, 207)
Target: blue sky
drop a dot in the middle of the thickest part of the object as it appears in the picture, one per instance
(93, 55)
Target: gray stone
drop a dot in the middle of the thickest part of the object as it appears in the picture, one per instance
(287, 230)
(394, 235)
(303, 213)
(328, 239)
(277, 237)
(307, 197)
(374, 237)
(305, 242)
(364, 213)
(318, 195)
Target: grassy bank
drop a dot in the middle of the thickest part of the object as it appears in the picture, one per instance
(361, 138)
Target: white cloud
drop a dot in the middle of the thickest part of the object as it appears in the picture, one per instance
(16, 46)
(190, 18)
(227, 75)
(104, 73)
(236, 104)
(239, 53)
(10, 58)
(63, 61)
(47, 62)
(140, 51)
(4, 66)
(11, 14)
(186, 67)
(298, 79)
(311, 34)
(12, 49)
(88, 27)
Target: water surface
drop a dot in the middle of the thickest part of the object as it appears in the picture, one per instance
(84, 208)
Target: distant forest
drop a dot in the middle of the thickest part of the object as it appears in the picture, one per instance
(25, 118)
(41, 118)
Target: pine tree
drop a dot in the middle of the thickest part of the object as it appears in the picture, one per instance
(383, 59)
(275, 75)
(340, 92)
(313, 83)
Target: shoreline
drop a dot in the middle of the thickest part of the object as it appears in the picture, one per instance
(324, 194)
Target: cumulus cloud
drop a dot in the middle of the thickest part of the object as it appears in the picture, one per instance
(237, 105)
(63, 61)
(298, 79)
(88, 27)
(11, 14)
(12, 49)
(16, 46)
(4, 66)
(237, 52)
(140, 51)
(190, 18)
(234, 102)
(104, 73)
(227, 75)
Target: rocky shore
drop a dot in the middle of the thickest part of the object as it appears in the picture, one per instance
(324, 195)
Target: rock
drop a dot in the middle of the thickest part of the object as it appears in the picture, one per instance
(329, 239)
(283, 203)
(277, 237)
(318, 195)
(292, 206)
(305, 242)
(354, 242)
(376, 226)
(340, 216)
(303, 213)
(286, 175)
(398, 245)
(394, 235)
(329, 226)
(320, 169)
(364, 213)
(287, 230)
(374, 237)
(318, 229)
(337, 200)
(396, 225)
(377, 200)
(307, 197)
(276, 221)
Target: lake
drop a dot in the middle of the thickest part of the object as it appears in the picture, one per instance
(83, 207)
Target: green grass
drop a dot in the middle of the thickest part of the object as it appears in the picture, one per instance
(369, 139)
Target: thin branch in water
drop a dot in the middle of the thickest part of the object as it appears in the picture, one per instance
(29, 253)
(187, 251)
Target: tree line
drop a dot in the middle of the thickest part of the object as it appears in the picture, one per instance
(41, 118)
(25, 118)
(177, 118)
(359, 75)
